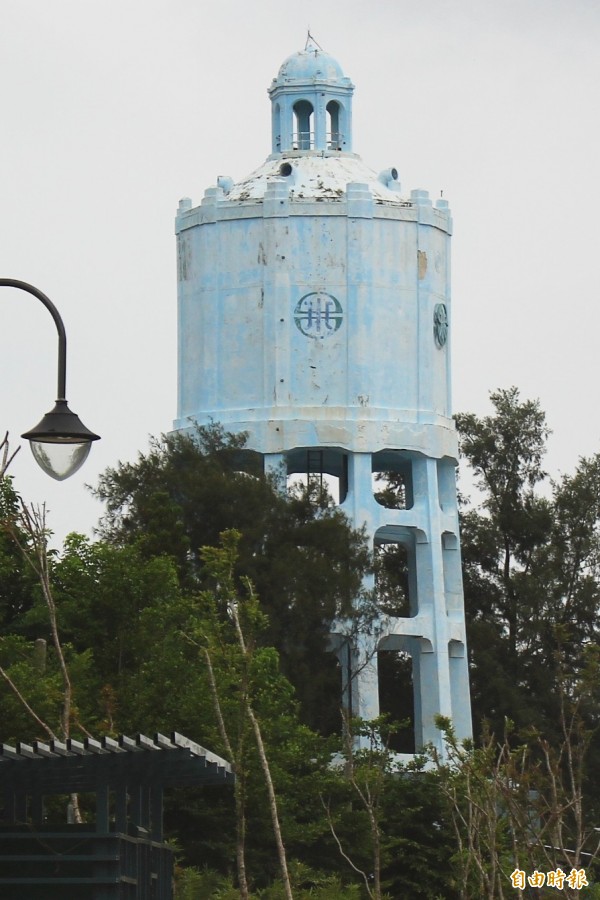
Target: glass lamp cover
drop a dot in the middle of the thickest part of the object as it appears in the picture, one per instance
(61, 459)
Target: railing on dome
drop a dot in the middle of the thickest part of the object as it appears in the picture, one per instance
(305, 140)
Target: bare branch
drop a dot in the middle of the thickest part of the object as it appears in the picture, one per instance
(31, 522)
(5, 458)
(25, 704)
(341, 849)
(236, 758)
(233, 608)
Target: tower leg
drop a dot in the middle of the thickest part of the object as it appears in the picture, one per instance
(366, 677)
(443, 667)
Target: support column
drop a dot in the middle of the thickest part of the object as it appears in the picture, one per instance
(37, 809)
(135, 805)
(145, 806)
(434, 669)
(366, 678)
(19, 807)
(461, 692)
(156, 812)
(121, 809)
(102, 813)
(360, 680)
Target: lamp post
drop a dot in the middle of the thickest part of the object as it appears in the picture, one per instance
(60, 443)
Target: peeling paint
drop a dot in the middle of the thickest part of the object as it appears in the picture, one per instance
(183, 257)
(422, 258)
(317, 177)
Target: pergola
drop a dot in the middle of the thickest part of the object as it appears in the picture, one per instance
(120, 855)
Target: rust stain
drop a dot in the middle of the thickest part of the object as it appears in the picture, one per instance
(422, 259)
(183, 257)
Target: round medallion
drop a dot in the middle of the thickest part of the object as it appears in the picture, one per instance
(318, 315)
(440, 324)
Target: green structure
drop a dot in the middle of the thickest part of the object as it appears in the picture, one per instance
(122, 855)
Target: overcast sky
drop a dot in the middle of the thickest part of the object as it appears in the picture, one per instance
(113, 111)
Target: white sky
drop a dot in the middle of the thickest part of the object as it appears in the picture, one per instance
(113, 111)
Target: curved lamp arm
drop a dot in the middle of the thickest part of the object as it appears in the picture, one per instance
(60, 442)
(62, 335)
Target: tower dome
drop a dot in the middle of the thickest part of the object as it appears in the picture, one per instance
(308, 65)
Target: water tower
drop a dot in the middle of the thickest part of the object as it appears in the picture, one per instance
(315, 314)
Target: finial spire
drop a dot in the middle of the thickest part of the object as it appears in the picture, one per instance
(311, 42)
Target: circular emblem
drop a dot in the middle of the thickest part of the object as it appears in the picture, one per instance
(318, 315)
(440, 324)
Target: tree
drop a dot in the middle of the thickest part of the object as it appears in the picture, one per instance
(505, 452)
(140, 609)
(305, 561)
(531, 574)
(519, 806)
(245, 618)
(17, 579)
(387, 818)
(6, 457)
(26, 528)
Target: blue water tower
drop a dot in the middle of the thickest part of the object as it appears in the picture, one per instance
(315, 315)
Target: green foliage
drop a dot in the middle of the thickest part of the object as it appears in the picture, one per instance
(531, 564)
(195, 884)
(517, 806)
(17, 580)
(103, 591)
(139, 609)
(388, 816)
(254, 707)
(35, 672)
(192, 883)
(306, 563)
(310, 884)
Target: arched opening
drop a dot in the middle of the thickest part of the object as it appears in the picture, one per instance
(334, 136)
(396, 571)
(393, 577)
(321, 470)
(396, 697)
(303, 138)
(392, 479)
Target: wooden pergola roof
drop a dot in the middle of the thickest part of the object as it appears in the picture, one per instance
(62, 768)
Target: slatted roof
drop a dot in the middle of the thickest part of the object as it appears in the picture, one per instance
(60, 767)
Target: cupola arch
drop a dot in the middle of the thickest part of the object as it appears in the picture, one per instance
(304, 134)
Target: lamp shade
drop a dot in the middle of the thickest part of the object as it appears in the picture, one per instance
(60, 443)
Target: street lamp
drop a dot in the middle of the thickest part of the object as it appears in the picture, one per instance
(60, 443)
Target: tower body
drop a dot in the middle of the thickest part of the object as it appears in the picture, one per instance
(314, 314)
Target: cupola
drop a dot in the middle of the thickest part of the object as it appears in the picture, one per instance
(311, 104)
